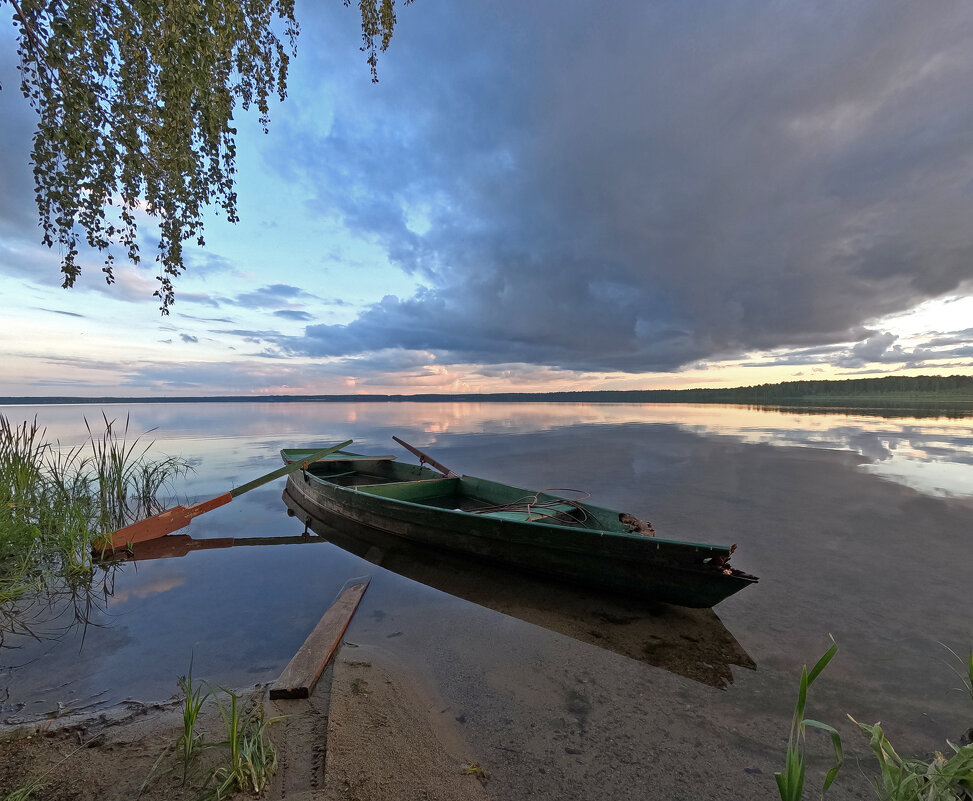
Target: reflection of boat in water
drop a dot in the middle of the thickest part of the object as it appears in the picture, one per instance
(539, 532)
(689, 642)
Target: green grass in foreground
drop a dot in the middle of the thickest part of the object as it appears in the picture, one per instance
(55, 501)
(943, 778)
(252, 757)
(249, 759)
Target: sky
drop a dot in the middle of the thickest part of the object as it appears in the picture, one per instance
(555, 195)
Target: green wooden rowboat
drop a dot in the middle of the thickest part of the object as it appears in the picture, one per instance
(538, 532)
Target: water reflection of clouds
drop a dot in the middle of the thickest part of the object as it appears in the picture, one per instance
(933, 455)
(144, 590)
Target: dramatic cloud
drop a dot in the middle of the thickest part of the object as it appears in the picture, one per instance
(879, 349)
(293, 314)
(637, 186)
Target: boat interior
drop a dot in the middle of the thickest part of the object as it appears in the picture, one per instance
(416, 484)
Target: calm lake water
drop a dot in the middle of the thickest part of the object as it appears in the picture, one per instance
(857, 525)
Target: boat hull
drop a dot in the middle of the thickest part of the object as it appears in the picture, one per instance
(687, 574)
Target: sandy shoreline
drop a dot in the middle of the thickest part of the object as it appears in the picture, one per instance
(369, 731)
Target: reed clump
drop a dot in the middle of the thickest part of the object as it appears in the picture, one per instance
(244, 762)
(946, 777)
(252, 757)
(55, 501)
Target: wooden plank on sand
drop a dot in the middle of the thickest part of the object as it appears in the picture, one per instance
(304, 670)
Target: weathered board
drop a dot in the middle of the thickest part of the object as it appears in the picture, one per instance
(303, 671)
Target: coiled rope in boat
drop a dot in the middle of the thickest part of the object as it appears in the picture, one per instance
(530, 504)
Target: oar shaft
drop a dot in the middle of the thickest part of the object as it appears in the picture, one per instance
(425, 457)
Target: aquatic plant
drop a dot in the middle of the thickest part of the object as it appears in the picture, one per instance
(940, 779)
(790, 783)
(54, 502)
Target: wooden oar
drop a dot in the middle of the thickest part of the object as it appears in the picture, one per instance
(180, 516)
(424, 457)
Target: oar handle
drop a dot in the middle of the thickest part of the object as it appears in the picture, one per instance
(425, 457)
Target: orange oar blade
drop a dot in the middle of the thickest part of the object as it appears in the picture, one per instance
(172, 520)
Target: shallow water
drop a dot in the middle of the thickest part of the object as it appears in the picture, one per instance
(857, 526)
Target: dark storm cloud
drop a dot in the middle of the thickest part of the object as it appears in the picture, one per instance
(637, 186)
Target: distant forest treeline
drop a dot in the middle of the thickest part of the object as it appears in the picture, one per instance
(953, 387)
(854, 391)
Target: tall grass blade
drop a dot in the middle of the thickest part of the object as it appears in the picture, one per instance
(189, 741)
(790, 782)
